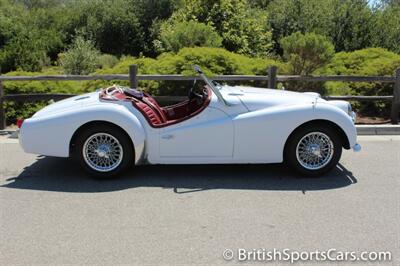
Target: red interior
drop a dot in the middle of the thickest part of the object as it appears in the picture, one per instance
(20, 121)
(158, 116)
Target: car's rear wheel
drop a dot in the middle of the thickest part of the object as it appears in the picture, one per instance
(313, 150)
(104, 151)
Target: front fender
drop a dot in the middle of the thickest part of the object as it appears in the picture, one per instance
(326, 111)
(260, 136)
(51, 134)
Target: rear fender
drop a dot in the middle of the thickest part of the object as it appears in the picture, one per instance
(51, 135)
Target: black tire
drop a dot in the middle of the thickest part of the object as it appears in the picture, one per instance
(105, 130)
(290, 152)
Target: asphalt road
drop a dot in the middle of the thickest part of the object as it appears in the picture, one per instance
(51, 213)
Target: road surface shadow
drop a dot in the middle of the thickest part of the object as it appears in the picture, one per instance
(64, 175)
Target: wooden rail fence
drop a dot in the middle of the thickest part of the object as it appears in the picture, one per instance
(272, 78)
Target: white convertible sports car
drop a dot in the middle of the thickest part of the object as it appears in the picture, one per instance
(114, 128)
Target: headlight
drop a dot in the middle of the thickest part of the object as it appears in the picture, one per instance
(349, 109)
(345, 107)
(351, 113)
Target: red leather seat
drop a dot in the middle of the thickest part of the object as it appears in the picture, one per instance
(149, 113)
(160, 117)
(154, 105)
(146, 104)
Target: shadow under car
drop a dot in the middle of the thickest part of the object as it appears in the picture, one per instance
(65, 175)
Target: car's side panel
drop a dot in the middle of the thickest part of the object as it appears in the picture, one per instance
(206, 138)
(260, 136)
(209, 134)
(223, 134)
(51, 134)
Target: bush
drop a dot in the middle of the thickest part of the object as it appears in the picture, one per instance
(174, 37)
(81, 58)
(213, 61)
(306, 52)
(366, 62)
(107, 61)
(16, 110)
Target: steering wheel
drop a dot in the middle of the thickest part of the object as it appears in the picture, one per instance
(192, 94)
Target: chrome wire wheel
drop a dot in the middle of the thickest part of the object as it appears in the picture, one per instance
(314, 150)
(102, 152)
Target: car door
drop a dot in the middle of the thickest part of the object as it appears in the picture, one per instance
(206, 135)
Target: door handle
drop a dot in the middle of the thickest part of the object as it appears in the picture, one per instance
(167, 136)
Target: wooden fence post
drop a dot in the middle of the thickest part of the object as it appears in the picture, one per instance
(272, 77)
(133, 82)
(2, 111)
(396, 99)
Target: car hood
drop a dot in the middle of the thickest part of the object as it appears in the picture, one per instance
(69, 103)
(259, 98)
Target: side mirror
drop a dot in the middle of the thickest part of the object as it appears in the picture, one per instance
(197, 69)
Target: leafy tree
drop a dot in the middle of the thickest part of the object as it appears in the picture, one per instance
(243, 30)
(353, 24)
(117, 26)
(259, 3)
(348, 23)
(386, 32)
(150, 13)
(34, 4)
(45, 22)
(10, 25)
(289, 16)
(81, 58)
(113, 25)
(9, 21)
(24, 51)
(385, 3)
(306, 52)
(174, 37)
(27, 39)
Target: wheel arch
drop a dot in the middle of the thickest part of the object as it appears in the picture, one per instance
(96, 123)
(325, 123)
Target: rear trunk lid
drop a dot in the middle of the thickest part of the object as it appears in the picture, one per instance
(69, 103)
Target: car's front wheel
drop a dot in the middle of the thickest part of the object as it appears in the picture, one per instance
(313, 150)
(104, 151)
